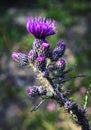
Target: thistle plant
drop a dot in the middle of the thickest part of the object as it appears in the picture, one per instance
(50, 69)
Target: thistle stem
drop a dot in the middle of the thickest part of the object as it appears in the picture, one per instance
(78, 112)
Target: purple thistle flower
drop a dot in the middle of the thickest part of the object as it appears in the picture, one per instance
(40, 27)
(20, 58)
(50, 69)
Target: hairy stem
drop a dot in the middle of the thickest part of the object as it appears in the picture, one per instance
(78, 112)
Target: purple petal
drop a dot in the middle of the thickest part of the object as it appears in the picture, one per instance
(40, 27)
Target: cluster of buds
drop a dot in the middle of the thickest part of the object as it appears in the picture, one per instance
(36, 91)
(46, 62)
(49, 67)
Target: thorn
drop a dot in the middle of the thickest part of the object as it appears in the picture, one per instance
(36, 107)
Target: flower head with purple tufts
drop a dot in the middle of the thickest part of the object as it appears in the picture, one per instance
(40, 27)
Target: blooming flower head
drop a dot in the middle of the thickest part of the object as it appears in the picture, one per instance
(40, 27)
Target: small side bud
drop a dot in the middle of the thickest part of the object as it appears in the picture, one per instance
(37, 43)
(60, 65)
(62, 46)
(32, 56)
(32, 91)
(21, 58)
(42, 90)
(40, 63)
(58, 51)
(44, 49)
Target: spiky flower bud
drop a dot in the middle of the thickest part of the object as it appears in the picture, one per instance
(58, 51)
(32, 56)
(44, 50)
(32, 91)
(37, 43)
(36, 91)
(60, 65)
(45, 73)
(42, 90)
(21, 58)
(40, 63)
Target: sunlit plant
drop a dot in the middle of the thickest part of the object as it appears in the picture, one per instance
(50, 69)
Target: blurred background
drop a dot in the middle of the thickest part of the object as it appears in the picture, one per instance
(73, 19)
